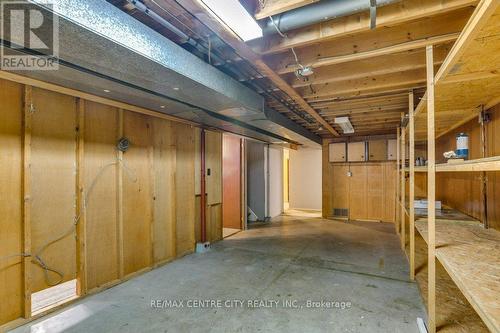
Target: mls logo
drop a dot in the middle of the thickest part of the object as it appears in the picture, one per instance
(29, 35)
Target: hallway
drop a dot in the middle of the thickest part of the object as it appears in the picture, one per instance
(296, 260)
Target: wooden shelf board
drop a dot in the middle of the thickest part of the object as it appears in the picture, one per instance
(454, 314)
(469, 253)
(469, 76)
(480, 164)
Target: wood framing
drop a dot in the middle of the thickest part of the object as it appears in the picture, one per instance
(411, 195)
(431, 194)
(274, 7)
(27, 111)
(393, 15)
(403, 189)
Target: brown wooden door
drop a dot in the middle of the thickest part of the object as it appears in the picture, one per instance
(231, 182)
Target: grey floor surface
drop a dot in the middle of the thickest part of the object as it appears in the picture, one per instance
(355, 273)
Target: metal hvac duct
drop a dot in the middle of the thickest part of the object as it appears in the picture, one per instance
(324, 10)
(106, 52)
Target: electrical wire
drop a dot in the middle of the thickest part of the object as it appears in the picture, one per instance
(37, 255)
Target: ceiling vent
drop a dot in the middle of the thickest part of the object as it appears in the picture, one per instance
(345, 124)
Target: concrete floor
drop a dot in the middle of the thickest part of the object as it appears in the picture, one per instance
(294, 259)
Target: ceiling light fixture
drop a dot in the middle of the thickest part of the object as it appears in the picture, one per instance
(345, 124)
(235, 17)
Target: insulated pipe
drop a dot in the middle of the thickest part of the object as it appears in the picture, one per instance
(202, 190)
(319, 12)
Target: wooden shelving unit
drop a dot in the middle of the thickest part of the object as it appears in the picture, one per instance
(469, 253)
(467, 83)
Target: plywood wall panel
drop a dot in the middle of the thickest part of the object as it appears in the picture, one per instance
(164, 162)
(340, 187)
(53, 179)
(11, 231)
(137, 193)
(375, 192)
(358, 192)
(389, 191)
(213, 158)
(185, 189)
(100, 132)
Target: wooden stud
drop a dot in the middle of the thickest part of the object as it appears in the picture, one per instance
(119, 193)
(28, 109)
(411, 198)
(403, 189)
(398, 175)
(431, 194)
(81, 258)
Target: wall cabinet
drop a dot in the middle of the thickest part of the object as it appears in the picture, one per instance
(392, 146)
(337, 152)
(377, 150)
(356, 151)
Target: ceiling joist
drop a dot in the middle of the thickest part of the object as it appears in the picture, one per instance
(387, 16)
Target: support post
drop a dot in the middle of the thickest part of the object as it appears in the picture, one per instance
(81, 251)
(484, 176)
(203, 207)
(28, 113)
(411, 197)
(398, 175)
(403, 189)
(119, 199)
(431, 193)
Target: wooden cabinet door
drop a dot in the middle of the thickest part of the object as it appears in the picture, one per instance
(357, 192)
(337, 152)
(377, 150)
(356, 151)
(392, 150)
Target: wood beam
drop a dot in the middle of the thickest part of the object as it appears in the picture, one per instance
(411, 197)
(399, 62)
(391, 15)
(431, 196)
(208, 19)
(413, 35)
(378, 83)
(274, 7)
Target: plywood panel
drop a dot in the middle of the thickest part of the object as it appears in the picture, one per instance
(53, 170)
(337, 152)
(164, 191)
(377, 150)
(231, 209)
(137, 198)
(391, 149)
(358, 192)
(375, 192)
(389, 192)
(356, 151)
(340, 187)
(213, 158)
(11, 273)
(185, 188)
(214, 230)
(99, 185)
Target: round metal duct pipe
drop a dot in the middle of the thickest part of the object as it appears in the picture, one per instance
(319, 12)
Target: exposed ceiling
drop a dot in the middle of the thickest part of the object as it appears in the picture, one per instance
(359, 72)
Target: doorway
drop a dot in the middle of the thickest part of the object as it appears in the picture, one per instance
(231, 185)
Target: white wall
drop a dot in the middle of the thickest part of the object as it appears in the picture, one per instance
(275, 181)
(305, 178)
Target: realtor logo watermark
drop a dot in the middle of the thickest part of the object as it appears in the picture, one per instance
(30, 36)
